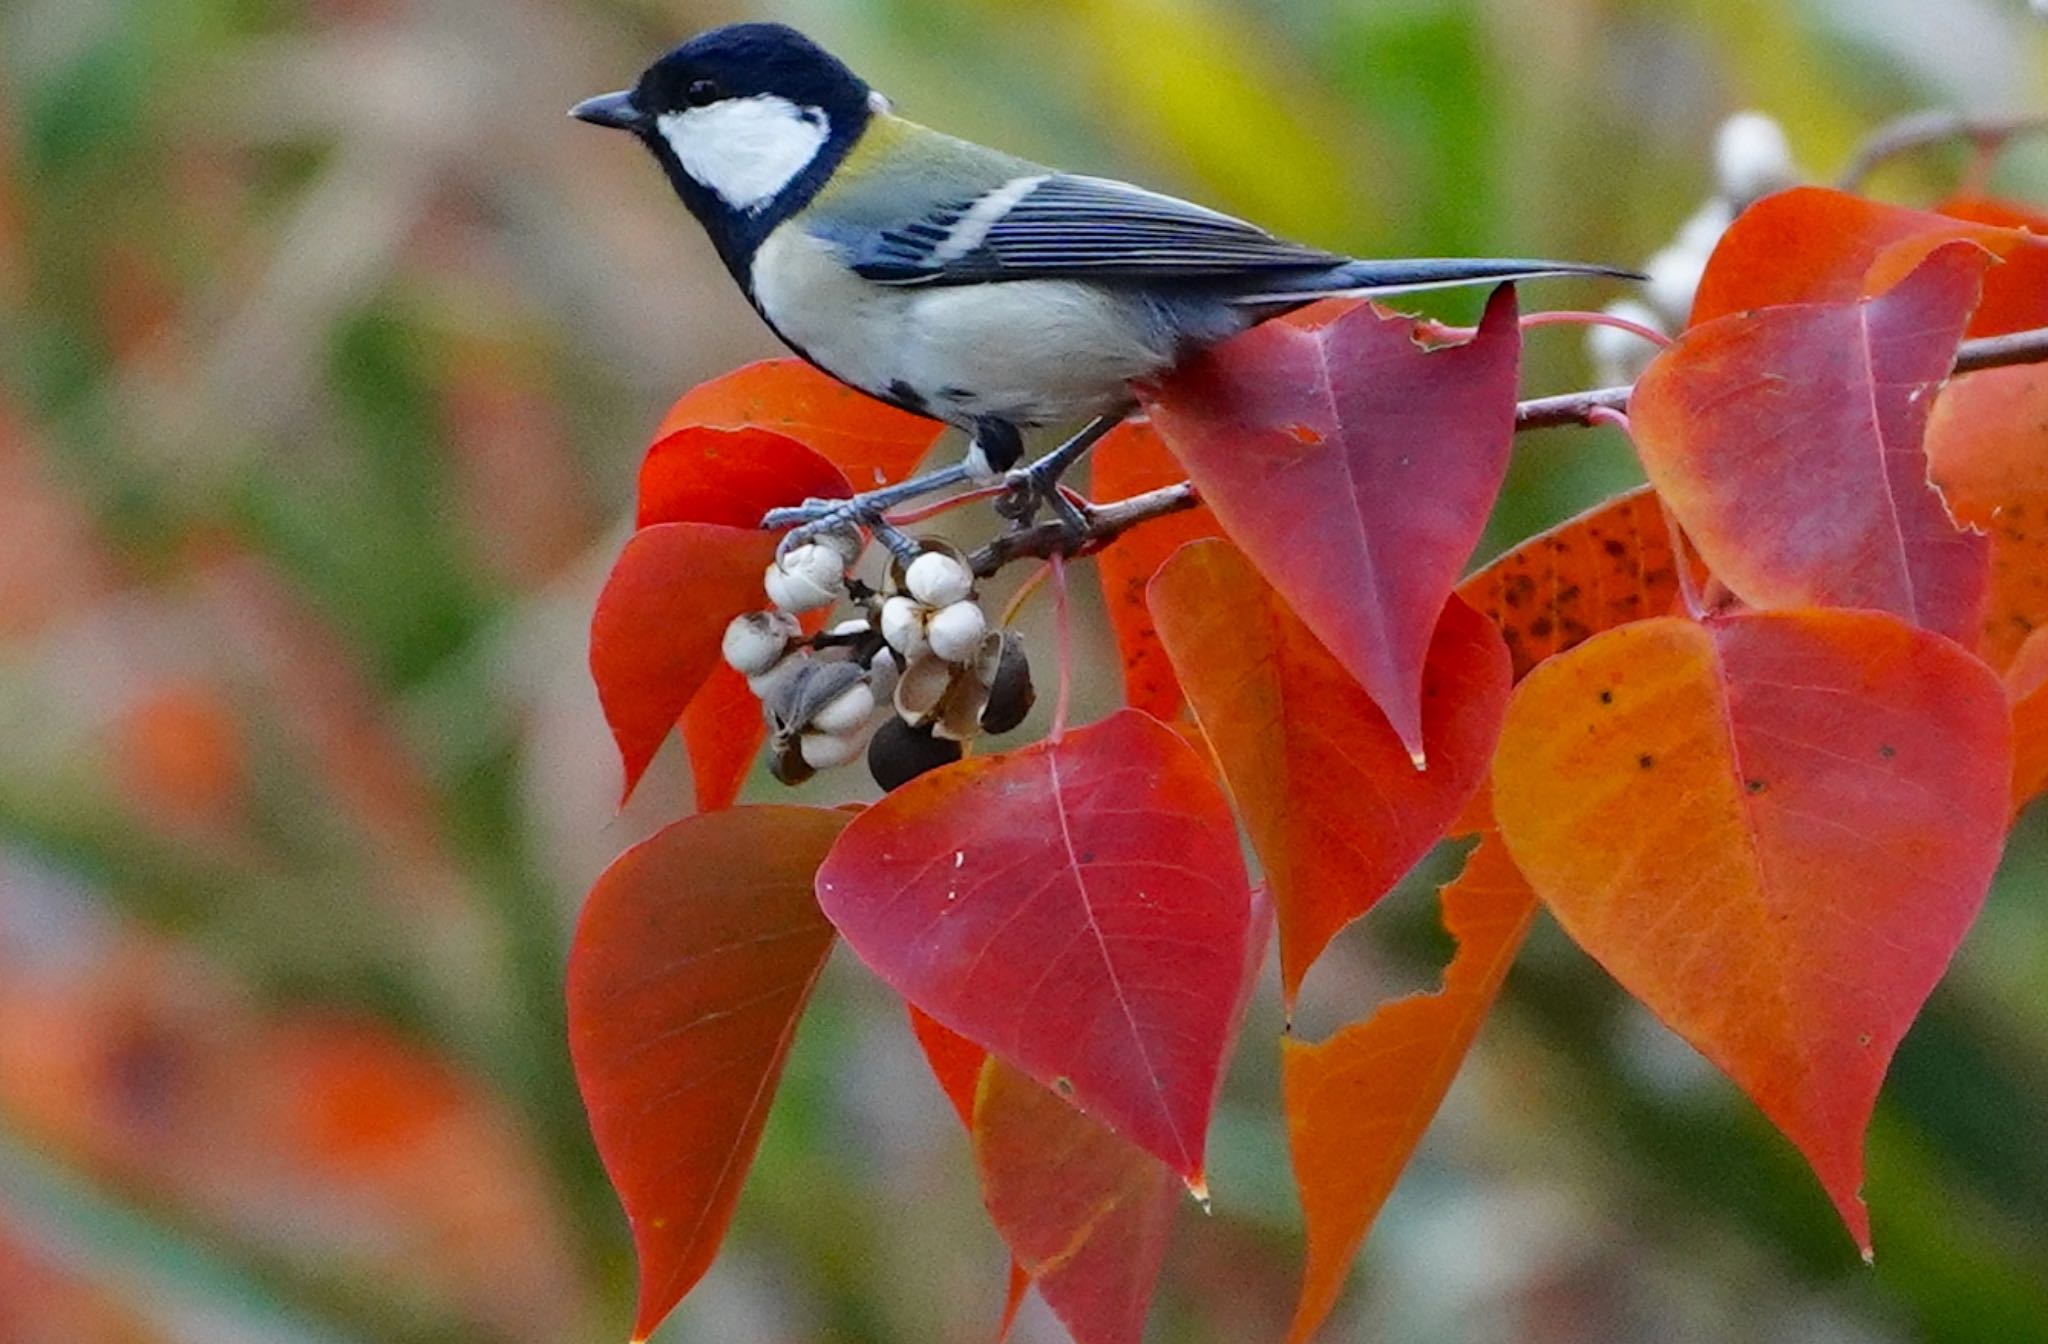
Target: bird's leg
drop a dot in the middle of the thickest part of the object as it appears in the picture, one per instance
(813, 516)
(1039, 482)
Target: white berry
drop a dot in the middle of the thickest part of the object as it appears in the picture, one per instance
(955, 631)
(755, 642)
(937, 579)
(1752, 157)
(807, 578)
(903, 622)
(823, 751)
(846, 712)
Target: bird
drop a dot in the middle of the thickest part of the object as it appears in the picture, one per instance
(954, 280)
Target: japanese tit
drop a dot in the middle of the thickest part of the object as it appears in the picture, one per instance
(954, 280)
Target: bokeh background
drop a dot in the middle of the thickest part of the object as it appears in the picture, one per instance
(327, 350)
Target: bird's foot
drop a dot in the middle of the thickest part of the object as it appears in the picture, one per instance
(1039, 484)
(815, 517)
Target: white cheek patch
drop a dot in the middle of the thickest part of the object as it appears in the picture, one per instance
(746, 149)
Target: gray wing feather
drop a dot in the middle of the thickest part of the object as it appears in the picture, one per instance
(1069, 226)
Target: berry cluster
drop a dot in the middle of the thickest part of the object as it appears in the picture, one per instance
(908, 679)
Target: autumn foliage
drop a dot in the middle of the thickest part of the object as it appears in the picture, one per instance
(1753, 735)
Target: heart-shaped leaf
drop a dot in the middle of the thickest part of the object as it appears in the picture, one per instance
(1335, 809)
(1358, 1103)
(1788, 443)
(654, 639)
(872, 442)
(1356, 469)
(1129, 461)
(693, 960)
(1774, 830)
(1071, 907)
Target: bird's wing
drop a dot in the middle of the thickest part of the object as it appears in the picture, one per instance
(1065, 226)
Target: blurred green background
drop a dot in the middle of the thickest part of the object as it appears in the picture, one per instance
(327, 349)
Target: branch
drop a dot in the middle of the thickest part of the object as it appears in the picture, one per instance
(1922, 129)
(1107, 522)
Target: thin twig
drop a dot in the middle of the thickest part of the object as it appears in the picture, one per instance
(1107, 522)
(1922, 129)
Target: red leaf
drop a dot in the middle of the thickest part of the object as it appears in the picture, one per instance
(1131, 461)
(692, 963)
(1356, 470)
(1358, 1103)
(2016, 293)
(1788, 444)
(1606, 567)
(1085, 1213)
(1813, 245)
(1071, 907)
(730, 477)
(654, 638)
(1335, 810)
(872, 442)
(1987, 451)
(1774, 830)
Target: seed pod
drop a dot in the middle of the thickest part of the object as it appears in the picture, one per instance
(807, 578)
(955, 631)
(1010, 692)
(921, 687)
(903, 626)
(815, 685)
(756, 641)
(823, 751)
(938, 579)
(786, 762)
(847, 539)
(846, 712)
(899, 753)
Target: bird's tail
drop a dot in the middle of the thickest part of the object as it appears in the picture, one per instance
(1404, 275)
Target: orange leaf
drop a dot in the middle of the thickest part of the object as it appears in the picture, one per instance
(722, 729)
(1813, 245)
(1358, 1103)
(1789, 444)
(1774, 830)
(692, 963)
(654, 638)
(1987, 449)
(2018, 299)
(1131, 461)
(1336, 810)
(870, 441)
(1606, 567)
(2026, 682)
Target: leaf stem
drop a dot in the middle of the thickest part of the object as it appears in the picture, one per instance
(1062, 621)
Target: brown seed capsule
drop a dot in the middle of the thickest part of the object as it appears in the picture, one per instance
(1010, 692)
(899, 753)
(786, 762)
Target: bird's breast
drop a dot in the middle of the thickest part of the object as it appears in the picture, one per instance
(1033, 352)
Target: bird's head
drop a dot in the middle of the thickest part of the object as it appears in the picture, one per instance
(749, 120)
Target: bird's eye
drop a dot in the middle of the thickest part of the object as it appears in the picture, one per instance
(703, 91)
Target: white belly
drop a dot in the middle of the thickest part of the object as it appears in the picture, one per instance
(1032, 352)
